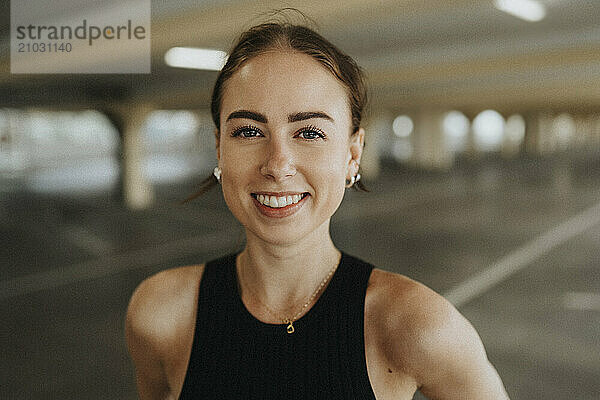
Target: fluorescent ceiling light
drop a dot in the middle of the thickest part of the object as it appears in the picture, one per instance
(529, 10)
(189, 57)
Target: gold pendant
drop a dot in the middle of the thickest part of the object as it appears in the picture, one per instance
(290, 327)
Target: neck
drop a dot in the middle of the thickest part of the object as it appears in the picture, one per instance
(284, 276)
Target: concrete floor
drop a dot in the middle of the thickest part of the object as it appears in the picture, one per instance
(69, 264)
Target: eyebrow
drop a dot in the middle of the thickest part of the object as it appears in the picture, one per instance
(245, 114)
(258, 117)
(301, 116)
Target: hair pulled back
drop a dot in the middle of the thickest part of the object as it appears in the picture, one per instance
(286, 36)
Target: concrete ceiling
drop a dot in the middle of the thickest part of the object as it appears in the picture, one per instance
(462, 54)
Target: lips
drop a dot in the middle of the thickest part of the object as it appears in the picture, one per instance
(279, 201)
(279, 205)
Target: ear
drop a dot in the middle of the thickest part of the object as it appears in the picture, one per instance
(357, 143)
(218, 144)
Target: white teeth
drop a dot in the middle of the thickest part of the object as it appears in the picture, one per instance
(278, 202)
(273, 202)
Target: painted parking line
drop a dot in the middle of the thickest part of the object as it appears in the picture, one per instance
(523, 256)
(581, 301)
(110, 265)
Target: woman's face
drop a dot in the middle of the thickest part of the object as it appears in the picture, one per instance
(285, 147)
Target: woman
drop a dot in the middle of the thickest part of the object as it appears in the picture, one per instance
(291, 316)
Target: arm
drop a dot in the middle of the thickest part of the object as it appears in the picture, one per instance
(421, 334)
(159, 328)
(451, 362)
(151, 380)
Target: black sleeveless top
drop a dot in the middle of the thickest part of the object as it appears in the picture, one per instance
(236, 356)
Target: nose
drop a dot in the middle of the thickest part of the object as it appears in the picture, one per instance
(279, 161)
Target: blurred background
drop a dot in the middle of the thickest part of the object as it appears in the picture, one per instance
(483, 160)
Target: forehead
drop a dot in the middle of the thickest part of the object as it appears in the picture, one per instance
(280, 82)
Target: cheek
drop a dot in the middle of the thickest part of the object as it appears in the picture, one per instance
(234, 183)
(234, 162)
(235, 197)
(330, 170)
(234, 177)
(338, 160)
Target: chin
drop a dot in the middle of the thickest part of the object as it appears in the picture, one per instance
(282, 235)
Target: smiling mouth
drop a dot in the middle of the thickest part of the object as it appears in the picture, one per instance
(279, 201)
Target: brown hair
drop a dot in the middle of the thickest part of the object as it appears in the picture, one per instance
(287, 36)
(264, 37)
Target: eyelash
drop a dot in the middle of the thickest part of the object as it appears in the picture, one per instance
(244, 129)
(241, 131)
(312, 129)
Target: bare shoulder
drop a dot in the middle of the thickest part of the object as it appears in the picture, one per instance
(159, 330)
(426, 336)
(163, 303)
(409, 308)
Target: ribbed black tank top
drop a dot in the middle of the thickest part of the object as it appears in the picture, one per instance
(236, 356)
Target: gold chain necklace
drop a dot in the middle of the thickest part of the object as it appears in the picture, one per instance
(290, 321)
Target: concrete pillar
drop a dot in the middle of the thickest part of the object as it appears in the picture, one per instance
(470, 150)
(584, 127)
(595, 131)
(530, 139)
(539, 134)
(137, 190)
(512, 142)
(429, 146)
